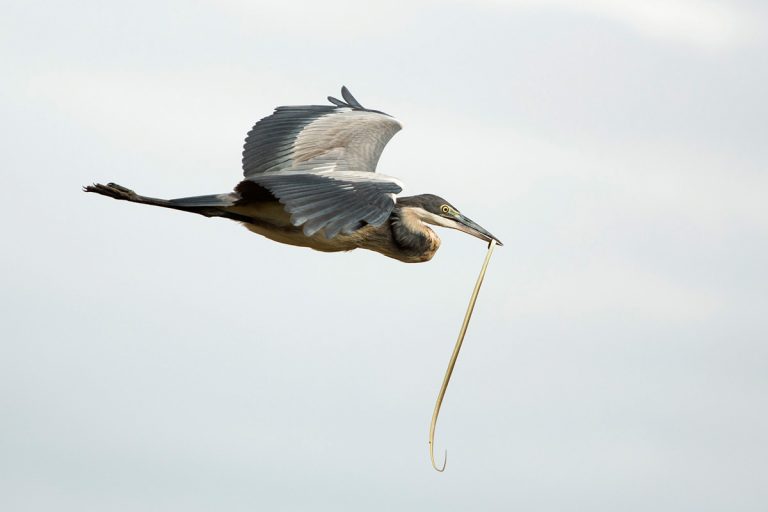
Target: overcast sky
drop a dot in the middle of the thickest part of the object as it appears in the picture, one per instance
(618, 356)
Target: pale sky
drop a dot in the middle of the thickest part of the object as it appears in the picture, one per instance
(617, 359)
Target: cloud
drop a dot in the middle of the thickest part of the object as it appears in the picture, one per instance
(699, 23)
(706, 24)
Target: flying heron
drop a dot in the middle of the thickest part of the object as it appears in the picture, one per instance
(311, 181)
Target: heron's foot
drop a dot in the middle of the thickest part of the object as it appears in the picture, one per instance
(112, 190)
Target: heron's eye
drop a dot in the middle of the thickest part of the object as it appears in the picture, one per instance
(446, 209)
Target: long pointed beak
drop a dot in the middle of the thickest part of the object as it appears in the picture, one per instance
(467, 225)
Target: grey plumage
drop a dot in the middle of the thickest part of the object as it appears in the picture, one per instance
(319, 161)
(349, 98)
(335, 201)
(269, 144)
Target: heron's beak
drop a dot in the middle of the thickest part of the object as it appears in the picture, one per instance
(473, 228)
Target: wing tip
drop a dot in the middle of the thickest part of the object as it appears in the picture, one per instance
(349, 100)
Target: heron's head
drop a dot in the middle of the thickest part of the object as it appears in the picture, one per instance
(437, 211)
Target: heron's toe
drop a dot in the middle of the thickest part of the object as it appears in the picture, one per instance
(111, 190)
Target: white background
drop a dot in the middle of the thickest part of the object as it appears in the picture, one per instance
(617, 359)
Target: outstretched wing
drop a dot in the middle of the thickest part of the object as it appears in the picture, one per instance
(320, 161)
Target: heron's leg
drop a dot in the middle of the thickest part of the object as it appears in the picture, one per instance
(119, 192)
(125, 194)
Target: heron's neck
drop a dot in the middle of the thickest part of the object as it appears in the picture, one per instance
(411, 233)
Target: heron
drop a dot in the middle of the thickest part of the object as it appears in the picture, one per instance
(310, 180)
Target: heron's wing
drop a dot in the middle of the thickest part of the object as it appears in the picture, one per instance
(319, 161)
(336, 201)
(346, 133)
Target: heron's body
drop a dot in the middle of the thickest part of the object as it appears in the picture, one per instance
(415, 243)
(310, 182)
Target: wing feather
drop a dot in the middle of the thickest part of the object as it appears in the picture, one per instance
(320, 160)
(341, 199)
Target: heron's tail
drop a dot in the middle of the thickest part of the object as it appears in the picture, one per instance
(208, 206)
